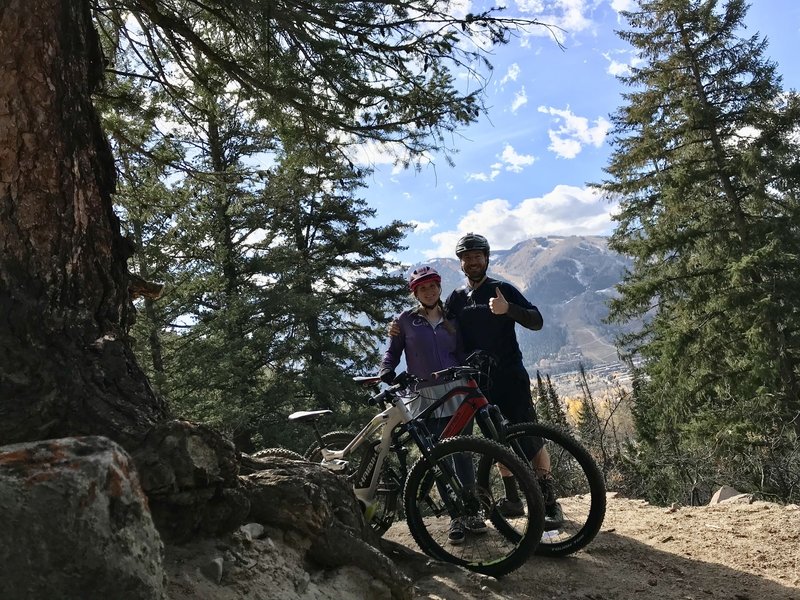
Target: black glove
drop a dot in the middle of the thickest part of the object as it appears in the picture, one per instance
(387, 375)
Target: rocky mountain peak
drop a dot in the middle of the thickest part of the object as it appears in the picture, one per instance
(570, 279)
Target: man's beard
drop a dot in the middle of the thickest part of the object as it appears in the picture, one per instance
(476, 278)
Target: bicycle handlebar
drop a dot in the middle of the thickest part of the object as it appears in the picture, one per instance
(456, 372)
(402, 381)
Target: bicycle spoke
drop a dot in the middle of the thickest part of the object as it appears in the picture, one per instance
(434, 500)
(576, 485)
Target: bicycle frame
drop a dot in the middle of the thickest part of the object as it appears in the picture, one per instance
(389, 419)
(474, 404)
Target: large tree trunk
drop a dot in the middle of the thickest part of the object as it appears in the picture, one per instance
(65, 367)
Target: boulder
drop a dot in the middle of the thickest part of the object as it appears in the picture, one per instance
(190, 475)
(318, 509)
(729, 495)
(76, 524)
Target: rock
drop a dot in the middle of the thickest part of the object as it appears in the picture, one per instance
(301, 585)
(252, 531)
(739, 499)
(75, 523)
(723, 493)
(214, 569)
(318, 512)
(190, 475)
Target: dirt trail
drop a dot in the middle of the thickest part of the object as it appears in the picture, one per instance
(728, 551)
(722, 552)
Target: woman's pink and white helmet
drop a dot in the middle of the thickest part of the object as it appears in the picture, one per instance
(422, 275)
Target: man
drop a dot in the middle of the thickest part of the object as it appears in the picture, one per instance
(487, 311)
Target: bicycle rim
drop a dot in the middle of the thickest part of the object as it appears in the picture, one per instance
(432, 499)
(578, 488)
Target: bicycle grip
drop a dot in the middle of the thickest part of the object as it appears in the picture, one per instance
(377, 400)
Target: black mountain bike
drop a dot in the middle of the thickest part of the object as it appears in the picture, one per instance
(572, 479)
(376, 461)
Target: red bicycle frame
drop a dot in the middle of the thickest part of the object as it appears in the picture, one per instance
(474, 401)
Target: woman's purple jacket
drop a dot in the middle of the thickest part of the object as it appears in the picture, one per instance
(427, 348)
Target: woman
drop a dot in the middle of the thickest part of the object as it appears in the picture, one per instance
(431, 343)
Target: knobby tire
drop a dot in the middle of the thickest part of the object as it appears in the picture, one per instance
(495, 552)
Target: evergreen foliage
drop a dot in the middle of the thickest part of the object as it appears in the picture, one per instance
(558, 415)
(590, 427)
(548, 405)
(234, 126)
(705, 166)
(542, 401)
(379, 71)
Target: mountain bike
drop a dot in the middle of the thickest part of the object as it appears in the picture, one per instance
(573, 478)
(433, 495)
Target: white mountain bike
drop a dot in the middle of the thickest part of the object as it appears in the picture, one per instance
(375, 461)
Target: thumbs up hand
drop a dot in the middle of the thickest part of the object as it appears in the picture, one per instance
(498, 305)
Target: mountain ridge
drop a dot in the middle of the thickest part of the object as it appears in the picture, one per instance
(570, 279)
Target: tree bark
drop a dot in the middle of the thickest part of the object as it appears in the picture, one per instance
(65, 365)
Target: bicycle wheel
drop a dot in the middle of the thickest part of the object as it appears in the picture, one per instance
(383, 512)
(577, 486)
(434, 496)
(282, 452)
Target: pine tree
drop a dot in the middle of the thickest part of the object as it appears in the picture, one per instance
(235, 87)
(558, 415)
(278, 284)
(542, 401)
(706, 170)
(590, 427)
(329, 268)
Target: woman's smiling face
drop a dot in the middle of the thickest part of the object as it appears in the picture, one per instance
(428, 293)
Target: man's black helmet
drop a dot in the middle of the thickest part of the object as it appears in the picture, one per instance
(472, 241)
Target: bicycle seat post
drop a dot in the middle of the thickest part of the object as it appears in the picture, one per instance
(318, 435)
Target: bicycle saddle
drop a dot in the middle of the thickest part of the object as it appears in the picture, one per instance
(309, 415)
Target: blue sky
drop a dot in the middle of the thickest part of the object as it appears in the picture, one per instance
(522, 170)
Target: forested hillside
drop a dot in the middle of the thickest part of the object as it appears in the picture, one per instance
(706, 164)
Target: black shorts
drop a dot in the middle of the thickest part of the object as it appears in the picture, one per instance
(511, 393)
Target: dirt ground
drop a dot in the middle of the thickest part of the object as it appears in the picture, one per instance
(735, 551)
(730, 551)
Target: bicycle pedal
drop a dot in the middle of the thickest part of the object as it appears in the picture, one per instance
(335, 465)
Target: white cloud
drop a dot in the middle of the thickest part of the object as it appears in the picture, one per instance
(574, 132)
(494, 171)
(420, 227)
(511, 75)
(620, 5)
(515, 162)
(617, 68)
(566, 210)
(373, 154)
(490, 176)
(531, 6)
(520, 99)
(567, 16)
(509, 160)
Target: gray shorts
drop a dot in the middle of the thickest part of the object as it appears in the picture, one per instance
(428, 395)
